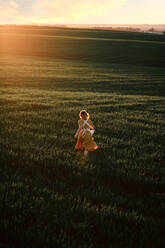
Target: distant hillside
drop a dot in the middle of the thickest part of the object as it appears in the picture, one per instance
(122, 27)
(103, 46)
(137, 27)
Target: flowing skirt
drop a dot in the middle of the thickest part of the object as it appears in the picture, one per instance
(85, 141)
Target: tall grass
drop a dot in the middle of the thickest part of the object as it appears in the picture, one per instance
(49, 195)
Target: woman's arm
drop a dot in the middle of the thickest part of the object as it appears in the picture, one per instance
(77, 133)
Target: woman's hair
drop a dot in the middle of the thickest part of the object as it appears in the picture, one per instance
(83, 113)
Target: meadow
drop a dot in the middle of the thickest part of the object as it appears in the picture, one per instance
(49, 195)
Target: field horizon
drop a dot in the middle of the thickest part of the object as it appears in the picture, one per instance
(49, 195)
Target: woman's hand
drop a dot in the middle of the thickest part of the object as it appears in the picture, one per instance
(92, 127)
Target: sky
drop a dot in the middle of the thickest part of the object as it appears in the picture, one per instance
(82, 11)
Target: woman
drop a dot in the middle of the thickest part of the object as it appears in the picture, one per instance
(85, 141)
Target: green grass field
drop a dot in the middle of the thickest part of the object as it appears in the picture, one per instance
(49, 195)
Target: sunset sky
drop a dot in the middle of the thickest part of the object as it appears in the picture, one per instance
(82, 11)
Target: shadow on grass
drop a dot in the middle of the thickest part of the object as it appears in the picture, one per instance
(74, 185)
(109, 175)
(104, 172)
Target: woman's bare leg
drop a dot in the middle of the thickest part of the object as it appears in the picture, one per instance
(85, 153)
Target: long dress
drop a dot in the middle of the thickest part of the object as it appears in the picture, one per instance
(85, 140)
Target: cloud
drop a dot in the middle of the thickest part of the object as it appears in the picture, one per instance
(55, 11)
(10, 12)
(75, 10)
(8, 9)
